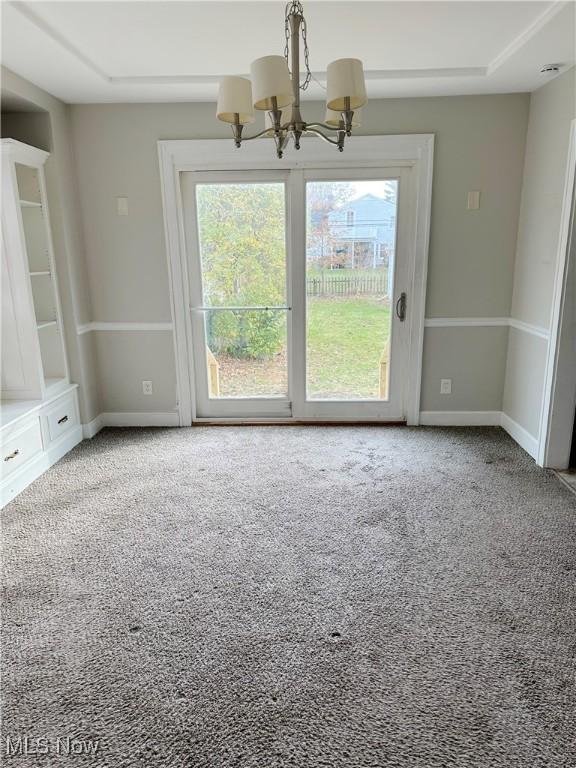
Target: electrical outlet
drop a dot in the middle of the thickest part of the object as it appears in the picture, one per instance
(147, 387)
(122, 206)
(445, 386)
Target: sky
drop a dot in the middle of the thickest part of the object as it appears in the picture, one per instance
(376, 188)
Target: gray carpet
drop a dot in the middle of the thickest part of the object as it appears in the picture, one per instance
(293, 596)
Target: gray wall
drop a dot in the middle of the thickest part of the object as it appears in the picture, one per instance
(66, 225)
(552, 108)
(30, 127)
(479, 145)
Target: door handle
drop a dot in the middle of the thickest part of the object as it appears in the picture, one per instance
(401, 307)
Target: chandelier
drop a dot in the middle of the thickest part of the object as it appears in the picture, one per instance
(275, 88)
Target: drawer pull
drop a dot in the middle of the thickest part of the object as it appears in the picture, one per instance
(12, 455)
(63, 420)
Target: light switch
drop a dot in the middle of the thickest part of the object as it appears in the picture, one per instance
(473, 200)
(122, 203)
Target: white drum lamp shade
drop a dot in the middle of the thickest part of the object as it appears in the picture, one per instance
(235, 98)
(345, 80)
(271, 78)
(334, 118)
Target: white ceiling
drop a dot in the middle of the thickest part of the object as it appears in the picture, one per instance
(176, 51)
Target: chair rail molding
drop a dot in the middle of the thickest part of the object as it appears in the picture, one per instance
(486, 322)
(112, 326)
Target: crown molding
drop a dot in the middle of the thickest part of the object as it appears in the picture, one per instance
(525, 36)
(522, 39)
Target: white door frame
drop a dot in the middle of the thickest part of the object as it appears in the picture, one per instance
(415, 150)
(557, 415)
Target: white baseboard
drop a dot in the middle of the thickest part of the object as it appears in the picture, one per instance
(460, 418)
(482, 419)
(141, 419)
(427, 418)
(522, 436)
(93, 427)
(135, 419)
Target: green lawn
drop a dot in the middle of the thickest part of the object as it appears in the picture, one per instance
(345, 340)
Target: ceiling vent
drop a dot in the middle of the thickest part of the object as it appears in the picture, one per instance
(550, 69)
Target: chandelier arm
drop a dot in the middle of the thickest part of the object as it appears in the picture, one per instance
(323, 125)
(257, 135)
(335, 142)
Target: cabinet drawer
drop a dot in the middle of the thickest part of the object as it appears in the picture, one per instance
(62, 416)
(21, 447)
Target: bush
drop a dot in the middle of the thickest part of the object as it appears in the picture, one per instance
(252, 335)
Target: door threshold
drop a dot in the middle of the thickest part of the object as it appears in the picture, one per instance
(295, 422)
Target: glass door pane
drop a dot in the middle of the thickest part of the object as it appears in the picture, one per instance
(246, 353)
(241, 235)
(350, 259)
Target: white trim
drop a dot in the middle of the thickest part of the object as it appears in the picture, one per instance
(105, 326)
(140, 419)
(413, 150)
(177, 281)
(482, 419)
(177, 78)
(525, 36)
(422, 215)
(535, 330)
(129, 419)
(460, 418)
(465, 322)
(520, 435)
(25, 153)
(551, 378)
(93, 427)
(486, 322)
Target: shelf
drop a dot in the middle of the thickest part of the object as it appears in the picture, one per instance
(12, 410)
(54, 385)
(30, 204)
(39, 274)
(46, 323)
(36, 237)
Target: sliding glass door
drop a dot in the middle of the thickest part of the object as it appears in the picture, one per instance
(299, 291)
(354, 295)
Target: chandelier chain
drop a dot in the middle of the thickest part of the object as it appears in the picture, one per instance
(296, 7)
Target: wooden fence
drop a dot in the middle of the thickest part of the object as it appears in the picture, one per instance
(325, 285)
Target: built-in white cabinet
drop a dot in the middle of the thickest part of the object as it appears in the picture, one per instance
(35, 382)
(33, 353)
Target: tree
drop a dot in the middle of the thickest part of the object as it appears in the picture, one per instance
(243, 253)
